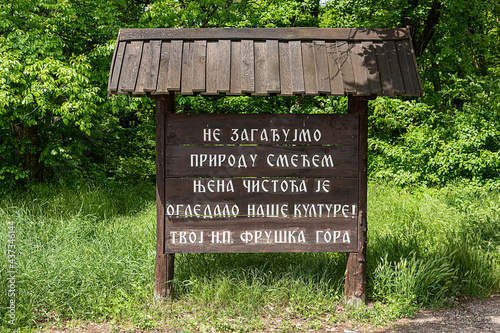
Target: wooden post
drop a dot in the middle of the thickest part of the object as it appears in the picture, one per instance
(164, 266)
(355, 281)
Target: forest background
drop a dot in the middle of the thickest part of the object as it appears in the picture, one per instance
(56, 121)
(77, 167)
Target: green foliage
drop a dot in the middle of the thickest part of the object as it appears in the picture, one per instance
(452, 134)
(52, 81)
(235, 14)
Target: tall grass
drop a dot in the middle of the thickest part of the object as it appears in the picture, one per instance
(88, 252)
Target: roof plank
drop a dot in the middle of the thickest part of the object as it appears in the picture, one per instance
(322, 70)
(359, 69)
(285, 70)
(413, 69)
(235, 68)
(372, 72)
(152, 74)
(260, 68)
(336, 84)
(212, 68)
(161, 86)
(116, 67)
(187, 68)
(296, 67)
(310, 80)
(396, 75)
(145, 66)
(403, 67)
(344, 50)
(247, 66)
(175, 66)
(384, 71)
(200, 57)
(133, 52)
(273, 67)
(224, 69)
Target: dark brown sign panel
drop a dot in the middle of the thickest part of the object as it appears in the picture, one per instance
(261, 183)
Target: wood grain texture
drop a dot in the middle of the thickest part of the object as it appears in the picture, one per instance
(260, 68)
(224, 67)
(273, 67)
(372, 71)
(116, 67)
(359, 69)
(346, 34)
(212, 68)
(130, 66)
(161, 86)
(235, 68)
(285, 70)
(187, 69)
(355, 284)
(310, 79)
(200, 58)
(145, 66)
(194, 129)
(297, 68)
(175, 66)
(394, 67)
(412, 70)
(164, 265)
(336, 82)
(247, 66)
(322, 69)
(344, 50)
(386, 85)
(404, 68)
(151, 79)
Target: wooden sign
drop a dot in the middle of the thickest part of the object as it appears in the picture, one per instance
(261, 183)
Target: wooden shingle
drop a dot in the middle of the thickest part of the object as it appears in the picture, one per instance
(283, 61)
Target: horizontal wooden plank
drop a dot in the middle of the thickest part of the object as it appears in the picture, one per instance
(261, 129)
(275, 236)
(261, 161)
(265, 34)
(241, 191)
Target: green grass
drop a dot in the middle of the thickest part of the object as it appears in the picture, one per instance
(87, 252)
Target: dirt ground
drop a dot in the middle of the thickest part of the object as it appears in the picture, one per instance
(469, 316)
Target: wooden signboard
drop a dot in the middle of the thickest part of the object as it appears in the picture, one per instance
(261, 183)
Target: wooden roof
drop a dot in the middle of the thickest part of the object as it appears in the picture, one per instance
(263, 61)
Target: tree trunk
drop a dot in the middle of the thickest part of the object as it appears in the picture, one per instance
(28, 151)
(421, 42)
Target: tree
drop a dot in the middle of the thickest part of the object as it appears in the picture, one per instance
(50, 88)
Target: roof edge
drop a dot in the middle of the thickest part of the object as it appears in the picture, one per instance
(349, 34)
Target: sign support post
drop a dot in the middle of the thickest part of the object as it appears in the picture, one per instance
(164, 265)
(355, 282)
